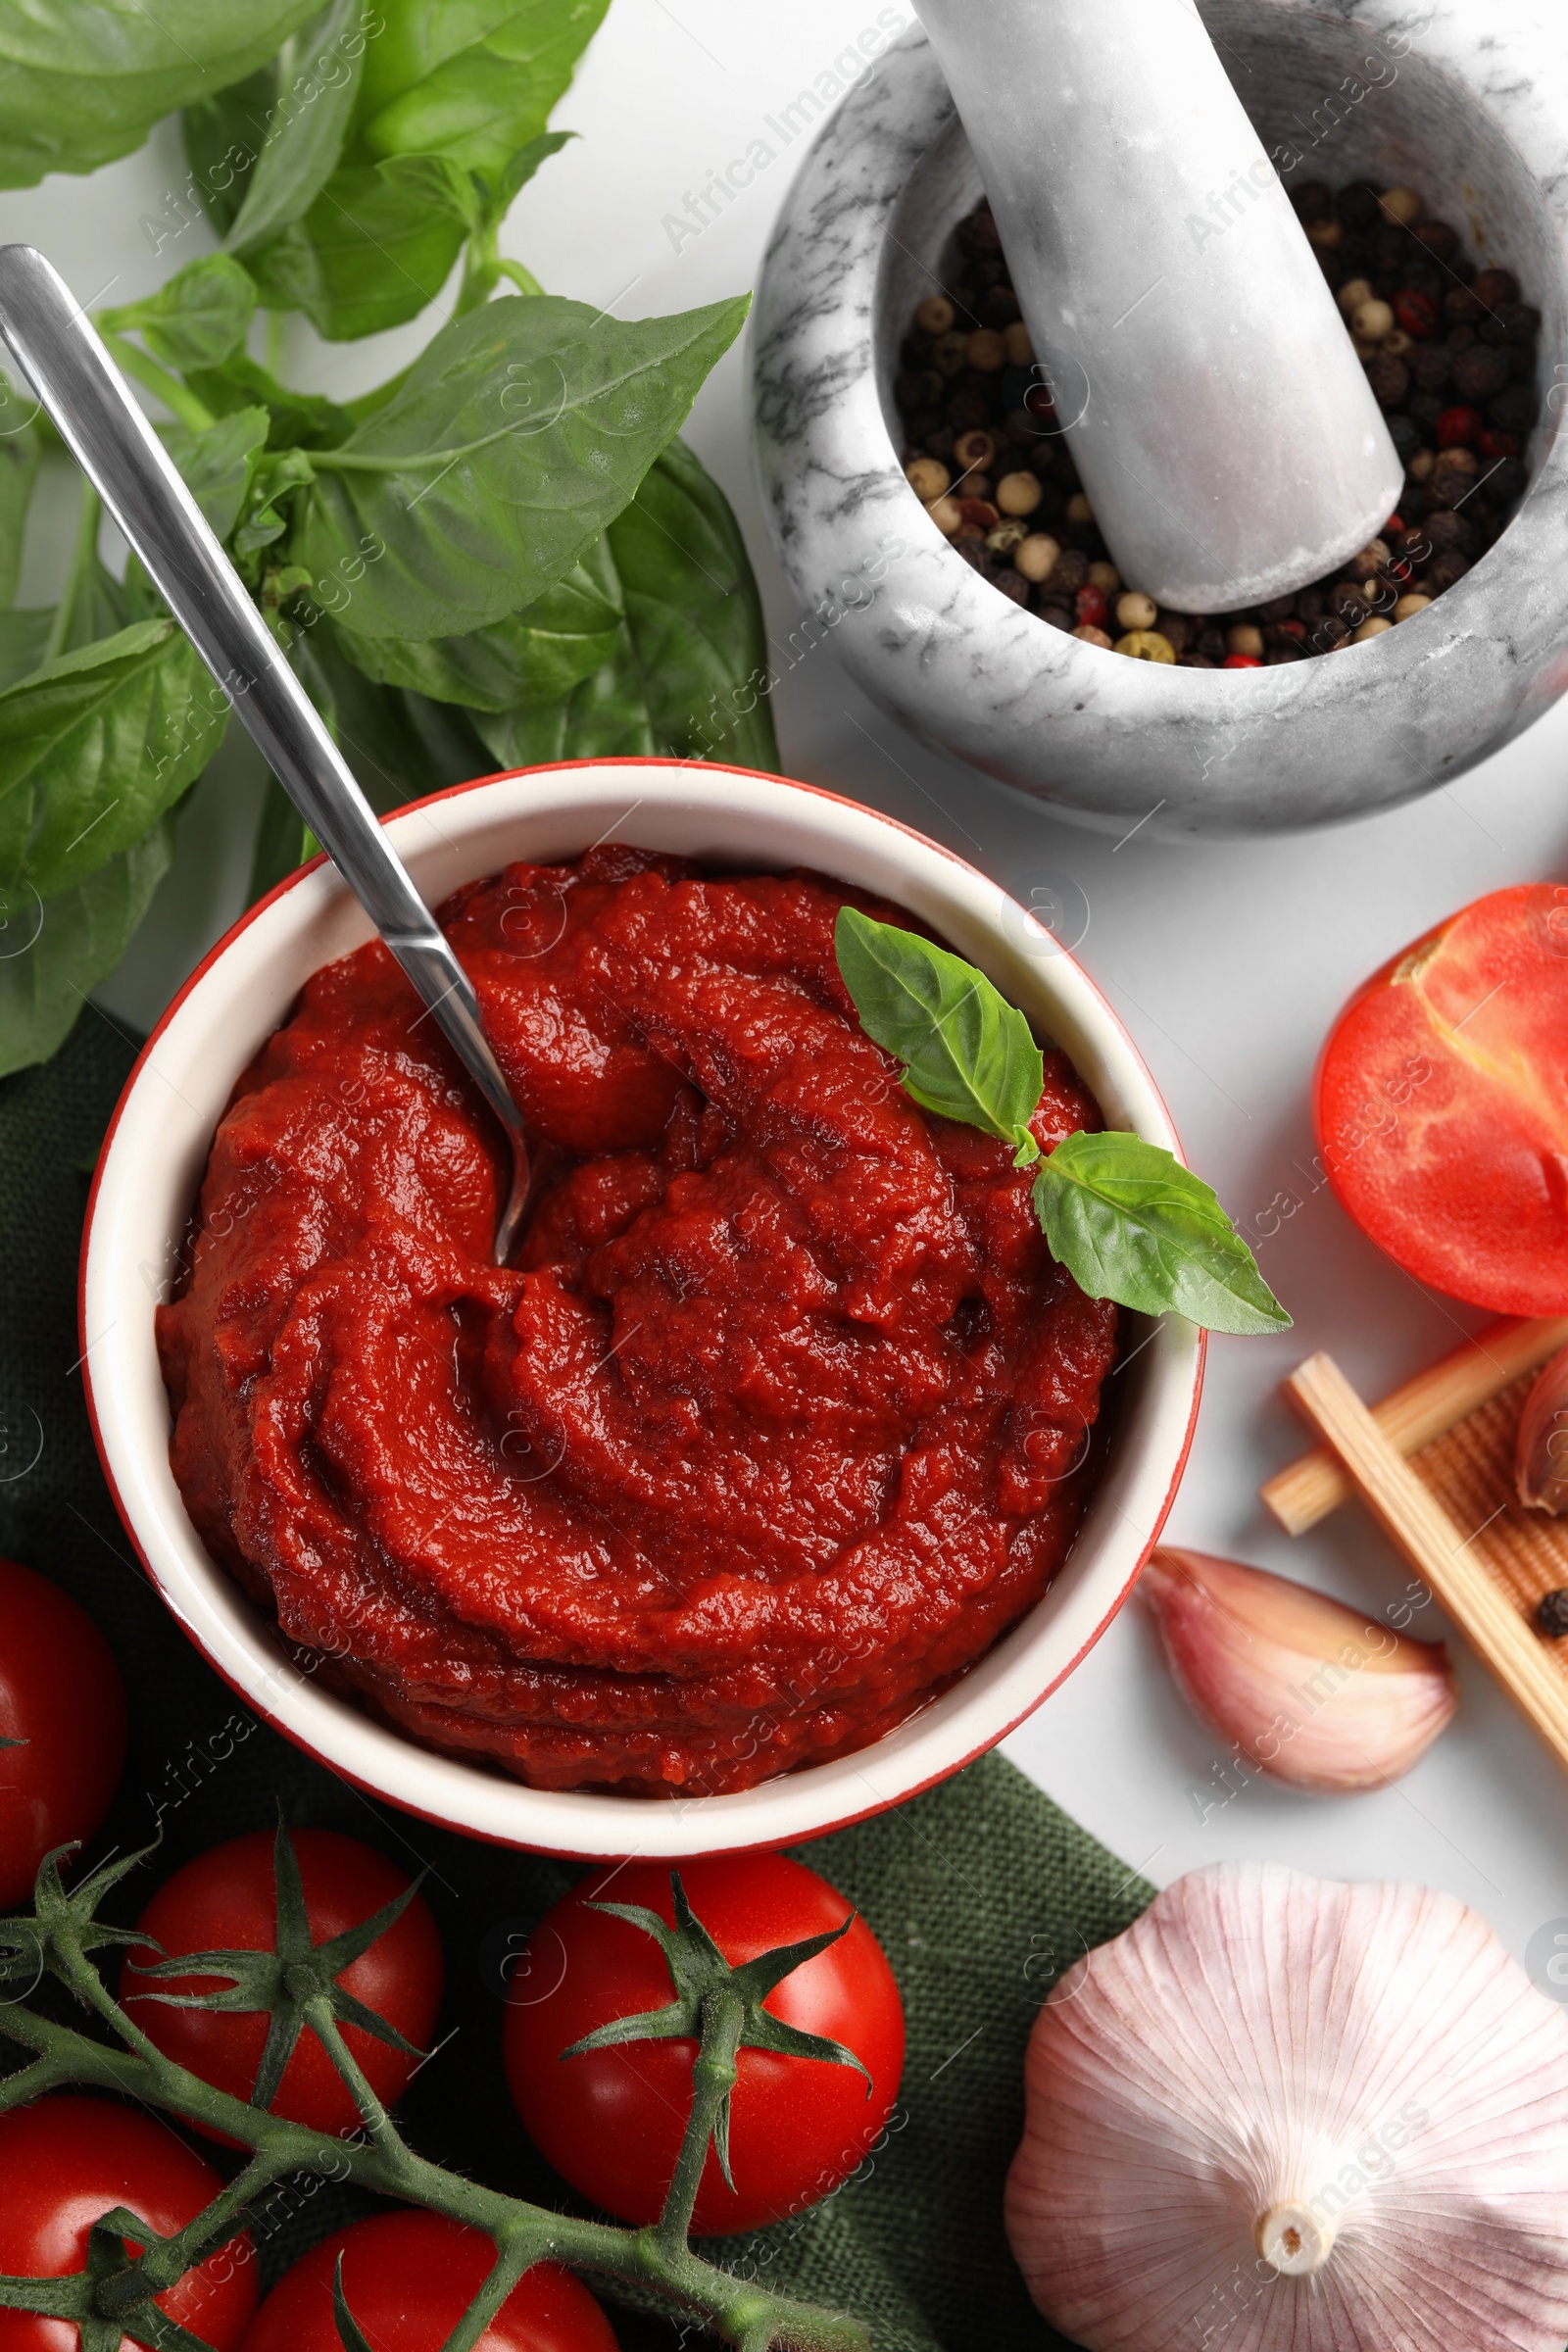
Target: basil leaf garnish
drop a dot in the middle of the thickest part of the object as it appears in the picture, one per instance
(1130, 1223)
(969, 1054)
(1124, 1217)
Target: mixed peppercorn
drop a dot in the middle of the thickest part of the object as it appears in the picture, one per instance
(1450, 352)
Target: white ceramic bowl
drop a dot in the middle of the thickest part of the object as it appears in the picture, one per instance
(157, 1146)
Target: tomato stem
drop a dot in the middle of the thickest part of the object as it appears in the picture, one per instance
(723, 2018)
(60, 1938)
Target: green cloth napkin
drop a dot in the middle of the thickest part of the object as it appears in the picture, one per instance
(980, 1892)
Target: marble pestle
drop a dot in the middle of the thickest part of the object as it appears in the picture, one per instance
(1216, 409)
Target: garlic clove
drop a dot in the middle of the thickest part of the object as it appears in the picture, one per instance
(1541, 1454)
(1310, 1692)
(1284, 2115)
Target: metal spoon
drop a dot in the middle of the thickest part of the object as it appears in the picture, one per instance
(101, 424)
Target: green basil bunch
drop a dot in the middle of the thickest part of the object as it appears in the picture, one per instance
(502, 556)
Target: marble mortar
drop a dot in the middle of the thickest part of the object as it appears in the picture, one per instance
(1361, 89)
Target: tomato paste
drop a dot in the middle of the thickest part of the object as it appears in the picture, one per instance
(782, 1414)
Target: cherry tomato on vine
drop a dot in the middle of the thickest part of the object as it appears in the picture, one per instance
(610, 2120)
(64, 1707)
(63, 2162)
(408, 2279)
(227, 1900)
(1442, 1103)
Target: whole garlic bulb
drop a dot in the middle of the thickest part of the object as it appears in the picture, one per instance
(1540, 1452)
(1283, 2115)
(1306, 1689)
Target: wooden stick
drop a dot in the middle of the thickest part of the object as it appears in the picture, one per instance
(1413, 1415)
(1442, 1552)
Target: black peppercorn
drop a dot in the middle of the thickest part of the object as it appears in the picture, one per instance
(1195, 662)
(1346, 603)
(978, 233)
(998, 307)
(1448, 531)
(1391, 245)
(1211, 641)
(1357, 206)
(1446, 570)
(1551, 1614)
(1012, 586)
(1070, 571)
(1404, 433)
(1460, 304)
(1480, 372)
(1057, 616)
(970, 543)
(1521, 321)
(1438, 237)
(1390, 379)
(1430, 365)
(1313, 199)
(967, 412)
(1515, 409)
(1177, 628)
(1426, 408)
(1493, 287)
(1278, 608)
(1329, 634)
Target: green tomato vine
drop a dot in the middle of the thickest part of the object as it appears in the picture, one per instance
(296, 1984)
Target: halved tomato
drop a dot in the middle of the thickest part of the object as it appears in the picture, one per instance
(1442, 1103)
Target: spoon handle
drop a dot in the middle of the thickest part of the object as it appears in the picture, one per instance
(101, 424)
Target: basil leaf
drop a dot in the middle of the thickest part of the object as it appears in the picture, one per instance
(317, 77)
(515, 438)
(82, 82)
(19, 470)
(217, 465)
(683, 673)
(1130, 1223)
(95, 746)
(377, 244)
(278, 473)
(502, 188)
(197, 319)
(23, 636)
(969, 1054)
(52, 951)
(222, 136)
(293, 416)
(694, 617)
(474, 82)
(99, 608)
(535, 656)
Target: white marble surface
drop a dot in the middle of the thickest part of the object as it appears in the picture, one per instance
(1227, 962)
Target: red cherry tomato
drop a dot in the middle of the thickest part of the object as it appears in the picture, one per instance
(225, 1900)
(62, 1701)
(408, 2279)
(1442, 1103)
(610, 2120)
(65, 2162)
